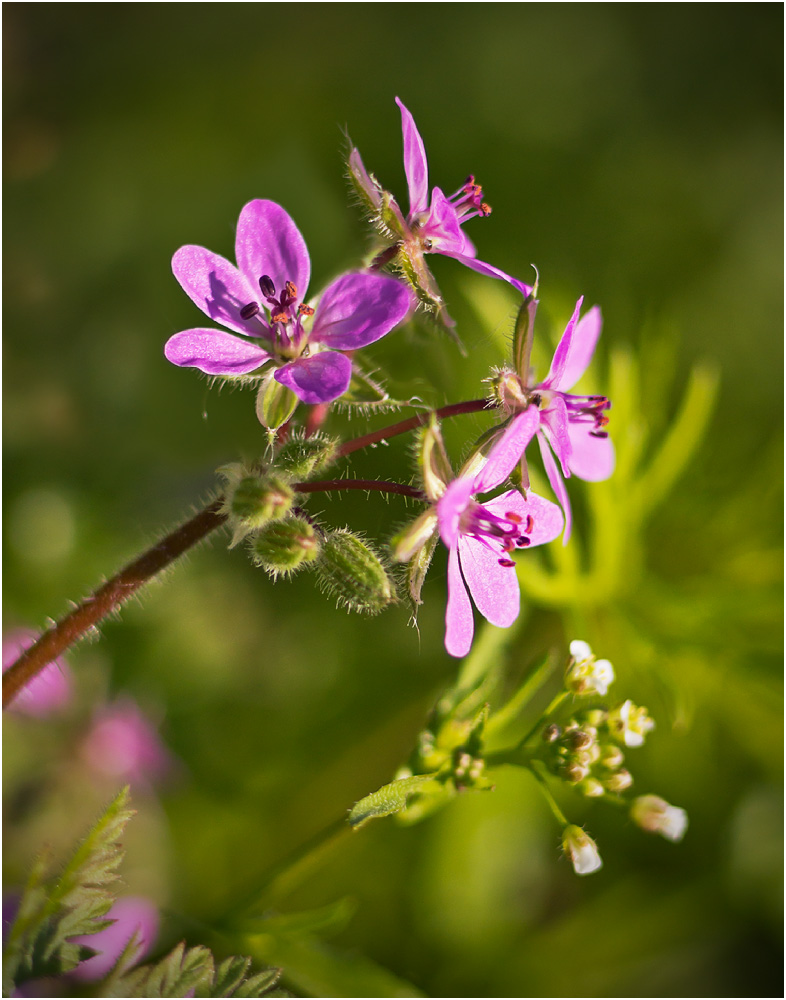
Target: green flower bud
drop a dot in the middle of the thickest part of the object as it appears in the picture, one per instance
(591, 787)
(611, 756)
(433, 461)
(619, 781)
(283, 547)
(353, 574)
(413, 538)
(301, 457)
(256, 499)
(275, 403)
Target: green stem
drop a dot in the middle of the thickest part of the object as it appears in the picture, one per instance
(558, 813)
(554, 704)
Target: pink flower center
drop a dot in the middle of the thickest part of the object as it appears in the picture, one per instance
(468, 201)
(499, 534)
(285, 313)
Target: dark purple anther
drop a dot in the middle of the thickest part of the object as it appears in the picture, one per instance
(250, 310)
(267, 286)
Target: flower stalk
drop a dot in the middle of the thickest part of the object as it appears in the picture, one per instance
(116, 591)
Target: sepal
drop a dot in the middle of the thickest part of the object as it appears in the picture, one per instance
(275, 403)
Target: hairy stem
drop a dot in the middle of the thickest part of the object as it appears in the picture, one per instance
(124, 584)
(108, 597)
(410, 424)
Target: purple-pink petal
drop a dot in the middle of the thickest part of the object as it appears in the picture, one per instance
(581, 348)
(559, 363)
(320, 378)
(269, 243)
(442, 226)
(554, 418)
(459, 623)
(489, 271)
(557, 484)
(507, 451)
(358, 309)
(415, 162)
(546, 516)
(214, 352)
(494, 588)
(218, 288)
(591, 458)
(451, 506)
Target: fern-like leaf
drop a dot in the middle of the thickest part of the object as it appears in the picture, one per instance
(53, 910)
(192, 971)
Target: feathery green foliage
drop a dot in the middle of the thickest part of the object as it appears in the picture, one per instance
(57, 908)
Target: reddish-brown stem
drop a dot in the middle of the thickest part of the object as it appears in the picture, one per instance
(112, 594)
(116, 591)
(453, 410)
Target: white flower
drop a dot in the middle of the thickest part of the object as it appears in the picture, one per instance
(655, 815)
(582, 850)
(586, 675)
(630, 724)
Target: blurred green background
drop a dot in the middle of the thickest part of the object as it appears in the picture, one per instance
(633, 152)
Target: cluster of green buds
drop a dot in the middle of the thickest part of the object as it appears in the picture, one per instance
(263, 507)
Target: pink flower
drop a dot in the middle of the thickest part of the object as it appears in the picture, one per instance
(49, 691)
(263, 298)
(432, 225)
(131, 915)
(571, 427)
(123, 744)
(481, 537)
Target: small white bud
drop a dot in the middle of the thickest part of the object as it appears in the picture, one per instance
(582, 850)
(655, 815)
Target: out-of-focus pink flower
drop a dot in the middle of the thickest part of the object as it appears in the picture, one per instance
(49, 691)
(123, 744)
(132, 915)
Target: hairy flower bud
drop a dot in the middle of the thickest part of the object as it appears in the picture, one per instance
(351, 572)
(581, 849)
(301, 457)
(256, 499)
(283, 547)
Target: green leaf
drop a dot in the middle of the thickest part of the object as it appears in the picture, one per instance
(52, 910)
(185, 970)
(389, 799)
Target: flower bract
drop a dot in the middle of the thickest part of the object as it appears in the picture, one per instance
(262, 303)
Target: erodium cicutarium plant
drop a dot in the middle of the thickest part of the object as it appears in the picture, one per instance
(475, 525)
